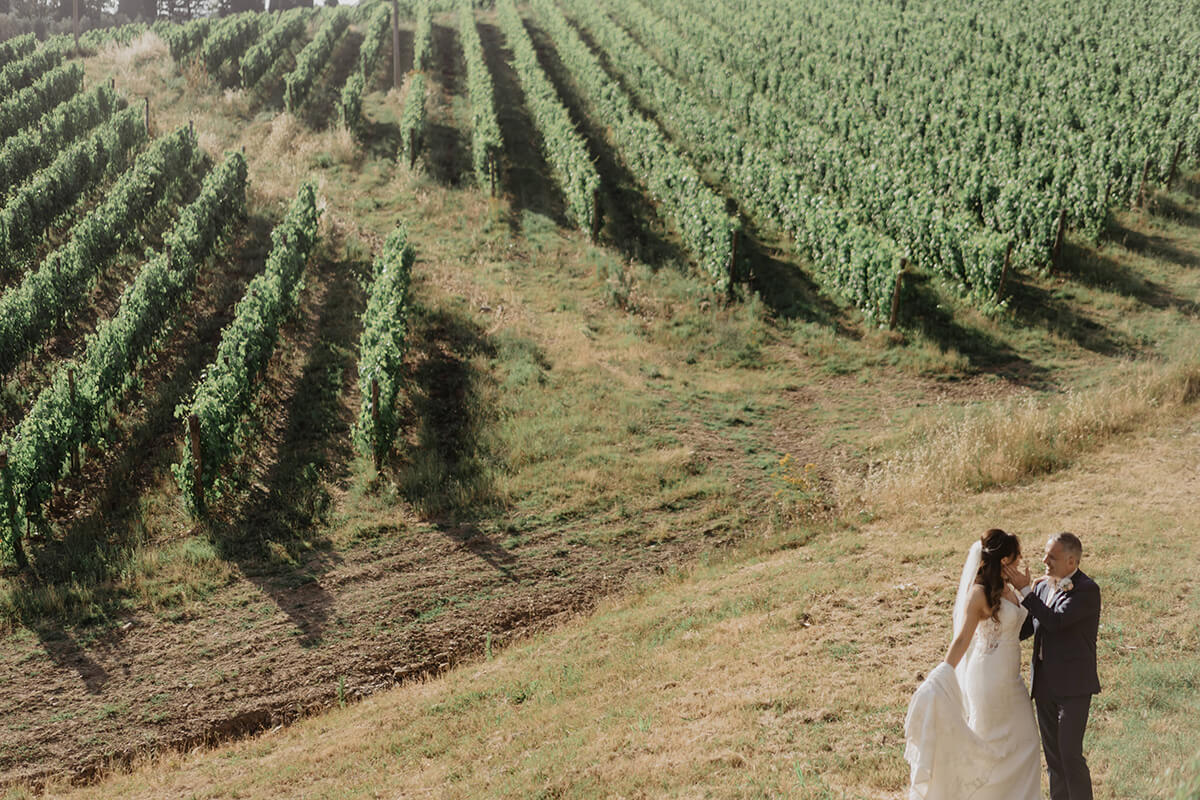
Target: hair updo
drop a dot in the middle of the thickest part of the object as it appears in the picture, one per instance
(997, 546)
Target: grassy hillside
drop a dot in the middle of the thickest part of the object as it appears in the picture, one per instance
(785, 489)
(770, 672)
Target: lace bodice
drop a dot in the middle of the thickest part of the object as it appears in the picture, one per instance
(1005, 628)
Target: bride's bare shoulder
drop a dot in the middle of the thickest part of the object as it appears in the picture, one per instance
(977, 600)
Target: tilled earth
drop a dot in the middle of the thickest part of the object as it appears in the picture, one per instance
(265, 651)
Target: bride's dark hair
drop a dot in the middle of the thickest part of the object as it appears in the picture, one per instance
(997, 546)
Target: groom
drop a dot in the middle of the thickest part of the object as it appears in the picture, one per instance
(1064, 617)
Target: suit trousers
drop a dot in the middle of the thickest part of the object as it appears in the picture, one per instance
(1062, 721)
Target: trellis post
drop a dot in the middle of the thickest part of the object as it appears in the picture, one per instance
(1056, 254)
(10, 520)
(1141, 195)
(896, 294)
(197, 461)
(395, 44)
(74, 449)
(1004, 272)
(375, 419)
(1174, 163)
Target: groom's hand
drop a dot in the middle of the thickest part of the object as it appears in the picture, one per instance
(1018, 577)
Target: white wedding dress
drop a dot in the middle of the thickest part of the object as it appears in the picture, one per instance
(971, 733)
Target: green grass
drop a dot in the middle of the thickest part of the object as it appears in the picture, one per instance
(565, 394)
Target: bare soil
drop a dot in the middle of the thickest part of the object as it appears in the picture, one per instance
(317, 603)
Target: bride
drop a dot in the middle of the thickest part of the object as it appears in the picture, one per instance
(970, 728)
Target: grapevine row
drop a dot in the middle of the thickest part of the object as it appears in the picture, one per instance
(55, 189)
(48, 296)
(121, 35)
(183, 40)
(378, 27)
(382, 346)
(16, 48)
(350, 106)
(312, 60)
(229, 38)
(564, 148)
(376, 40)
(423, 37)
(31, 103)
(485, 130)
(76, 405)
(851, 259)
(33, 148)
(265, 52)
(412, 118)
(697, 212)
(216, 415)
(21, 73)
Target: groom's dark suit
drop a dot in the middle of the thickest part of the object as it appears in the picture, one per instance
(1064, 626)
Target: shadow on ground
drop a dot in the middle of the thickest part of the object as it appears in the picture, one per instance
(525, 175)
(444, 471)
(630, 222)
(275, 534)
(924, 308)
(96, 517)
(323, 107)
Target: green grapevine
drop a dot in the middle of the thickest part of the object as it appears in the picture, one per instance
(225, 391)
(69, 413)
(382, 346)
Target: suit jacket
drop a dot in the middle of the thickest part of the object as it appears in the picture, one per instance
(1064, 627)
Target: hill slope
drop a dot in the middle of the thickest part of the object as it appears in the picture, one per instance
(770, 673)
(582, 417)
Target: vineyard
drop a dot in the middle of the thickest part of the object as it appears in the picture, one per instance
(339, 347)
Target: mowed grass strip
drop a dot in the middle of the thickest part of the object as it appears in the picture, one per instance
(773, 672)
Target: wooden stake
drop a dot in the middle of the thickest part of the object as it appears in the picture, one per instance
(1004, 273)
(1141, 195)
(1174, 163)
(6, 490)
(733, 254)
(74, 450)
(596, 219)
(395, 44)
(896, 294)
(1058, 240)
(375, 418)
(492, 171)
(197, 463)
(147, 99)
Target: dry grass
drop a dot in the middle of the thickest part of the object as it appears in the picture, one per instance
(1010, 442)
(782, 673)
(765, 674)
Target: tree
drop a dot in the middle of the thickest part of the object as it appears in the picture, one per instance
(87, 8)
(234, 6)
(138, 9)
